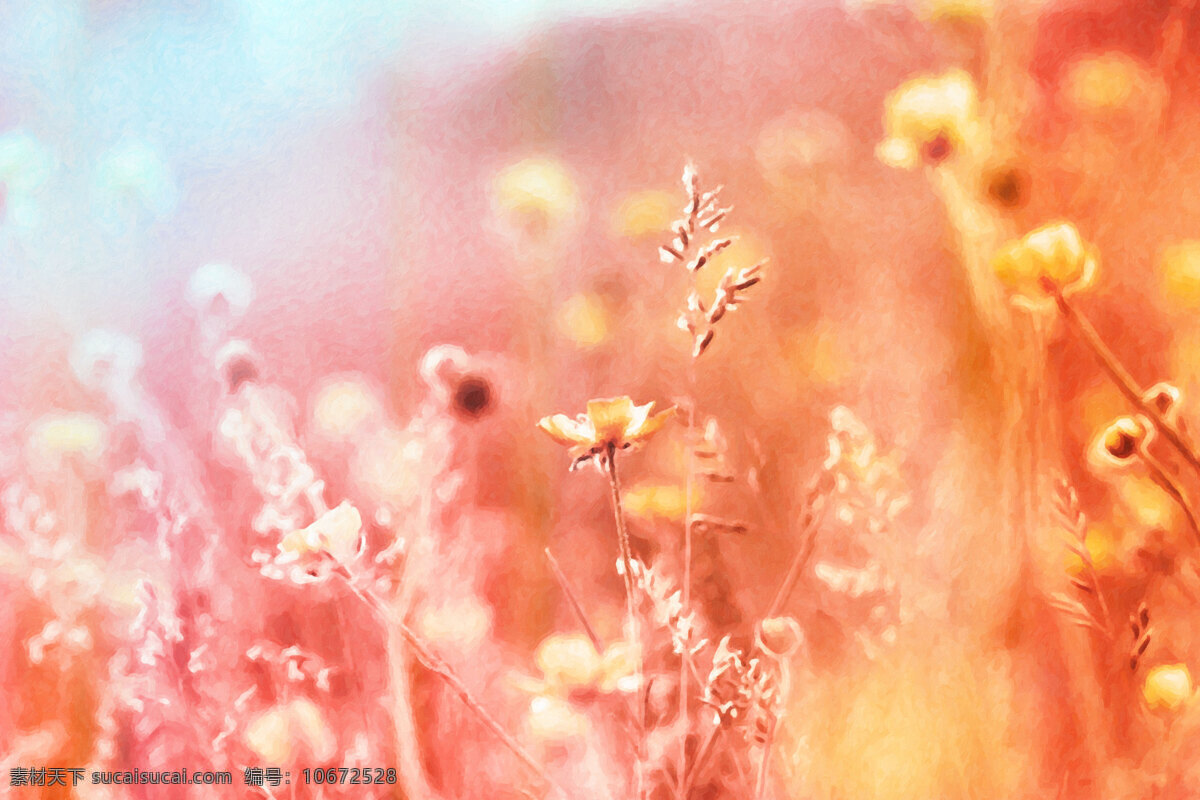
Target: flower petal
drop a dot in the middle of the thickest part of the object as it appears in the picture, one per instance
(565, 430)
(610, 418)
(650, 425)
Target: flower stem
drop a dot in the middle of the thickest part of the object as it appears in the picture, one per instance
(701, 761)
(573, 599)
(1163, 478)
(436, 665)
(614, 483)
(1124, 381)
(760, 785)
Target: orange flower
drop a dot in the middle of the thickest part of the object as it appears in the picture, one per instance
(613, 423)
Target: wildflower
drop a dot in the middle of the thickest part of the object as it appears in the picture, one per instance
(1053, 258)
(1179, 267)
(570, 664)
(610, 424)
(1164, 398)
(1167, 687)
(780, 636)
(644, 213)
(584, 320)
(1119, 443)
(219, 290)
(928, 119)
(337, 533)
(276, 734)
(669, 502)
(459, 381)
(237, 364)
(1106, 83)
(58, 436)
(135, 175)
(554, 719)
(536, 196)
(957, 10)
(1007, 186)
(25, 167)
(106, 360)
(342, 405)
(464, 621)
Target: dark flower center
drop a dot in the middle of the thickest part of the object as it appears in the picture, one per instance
(472, 397)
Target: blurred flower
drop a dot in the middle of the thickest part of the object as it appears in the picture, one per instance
(1167, 687)
(780, 636)
(135, 176)
(342, 405)
(1007, 186)
(25, 166)
(1105, 83)
(219, 290)
(570, 664)
(928, 119)
(236, 363)
(957, 10)
(1053, 254)
(584, 320)
(464, 621)
(645, 213)
(1118, 444)
(58, 436)
(459, 381)
(1146, 504)
(337, 533)
(667, 501)
(1179, 268)
(610, 423)
(288, 730)
(1101, 548)
(1164, 398)
(796, 151)
(554, 719)
(536, 196)
(105, 360)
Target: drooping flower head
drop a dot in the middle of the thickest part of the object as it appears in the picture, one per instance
(1118, 445)
(613, 423)
(1051, 258)
(928, 119)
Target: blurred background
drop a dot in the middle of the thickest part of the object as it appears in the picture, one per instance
(356, 250)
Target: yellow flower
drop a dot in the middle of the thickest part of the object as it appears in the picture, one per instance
(610, 424)
(570, 663)
(278, 733)
(1052, 258)
(668, 502)
(1106, 83)
(536, 196)
(1167, 686)
(568, 660)
(646, 213)
(554, 719)
(584, 320)
(57, 436)
(1180, 270)
(957, 10)
(928, 119)
(1118, 444)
